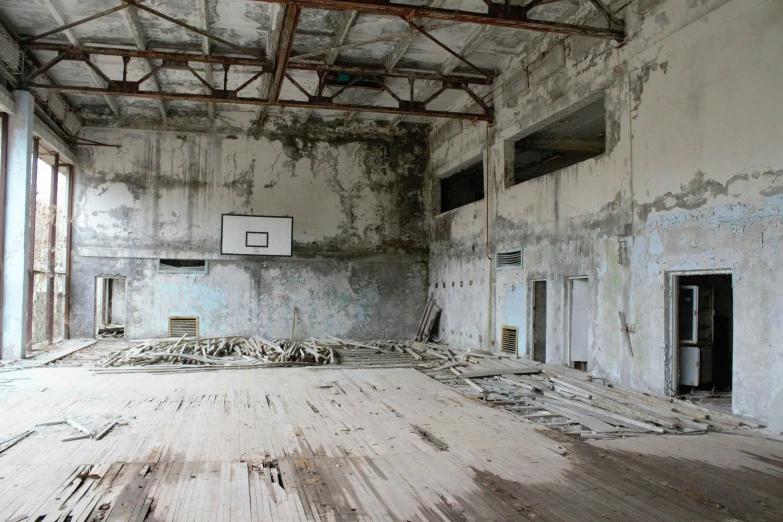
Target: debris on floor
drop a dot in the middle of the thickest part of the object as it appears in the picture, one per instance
(111, 331)
(575, 403)
(248, 352)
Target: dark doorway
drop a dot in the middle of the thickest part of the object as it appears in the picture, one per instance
(110, 308)
(539, 321)
(705, 338)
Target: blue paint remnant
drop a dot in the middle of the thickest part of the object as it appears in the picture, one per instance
(734, 216)
(692, 262)
(202, 301)
(653, 269)
(601, 269)
(515, 311)
(655, 247)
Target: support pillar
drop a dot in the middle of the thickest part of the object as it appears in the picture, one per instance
(18, 196)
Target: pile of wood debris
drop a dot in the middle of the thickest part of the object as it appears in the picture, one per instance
(222, 351)
(578, 404)
(239, 352)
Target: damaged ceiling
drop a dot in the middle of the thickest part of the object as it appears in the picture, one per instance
(354, 60)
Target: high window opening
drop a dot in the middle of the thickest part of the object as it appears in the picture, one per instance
(48, 320)
(705, 338)
(462, 188)
(576, 137)
(182, 266)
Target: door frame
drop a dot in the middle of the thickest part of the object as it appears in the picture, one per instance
(569, 301)
(672, 335)
(95, 303)
(531, 342)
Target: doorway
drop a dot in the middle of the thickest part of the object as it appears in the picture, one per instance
(110, 308)
(538, 313)
(704, 324)
(579, 313)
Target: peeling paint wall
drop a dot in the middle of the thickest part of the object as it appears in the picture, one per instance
(693, 169)
(360, 244)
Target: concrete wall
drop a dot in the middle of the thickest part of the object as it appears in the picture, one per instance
(693, 168)
(360, 244)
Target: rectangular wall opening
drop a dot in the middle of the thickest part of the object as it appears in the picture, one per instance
(463, 187)
(705, 338)
(539, 321)
(579, 328)
(110, 308)
(182, 266)
(575, 137)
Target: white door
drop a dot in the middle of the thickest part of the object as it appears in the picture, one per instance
(580, 320)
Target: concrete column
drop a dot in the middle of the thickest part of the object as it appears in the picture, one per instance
(19, 182)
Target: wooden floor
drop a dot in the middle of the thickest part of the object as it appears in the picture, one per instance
(359, 444)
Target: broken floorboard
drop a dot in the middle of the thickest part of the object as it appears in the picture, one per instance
(573, 402)
(325, 444)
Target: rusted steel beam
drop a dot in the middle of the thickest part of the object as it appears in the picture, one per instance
(73, 53)
(78, 22)
(100, 73)
(68, 248)
(399, 73)
(194, 29)
(52, 258)
(514, 17)
(31, 201)
(40, 70)
(284, 53)
(445, 47)
(476, 98)
(608, 13)
(219, 97)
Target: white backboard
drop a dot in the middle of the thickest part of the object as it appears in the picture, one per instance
(257, 235)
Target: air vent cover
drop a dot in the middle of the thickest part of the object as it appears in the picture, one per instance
(182, 266)
(508, 341)
(510, 259)
(179, 326)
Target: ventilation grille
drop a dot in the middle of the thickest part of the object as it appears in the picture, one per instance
(182, 266)
(508, 341)
(179, 326)
(510, 259)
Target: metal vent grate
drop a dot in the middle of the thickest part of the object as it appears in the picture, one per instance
(508, 340)
(512, 258)
(182, 266)
(179, 326)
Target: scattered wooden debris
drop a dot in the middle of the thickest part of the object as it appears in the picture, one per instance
(237, 352)
(111, 331)
(431, 313)
(12, 441)
(105, 430)
(574, 403)
(86, 431)
(51, 423)
(221, 351)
